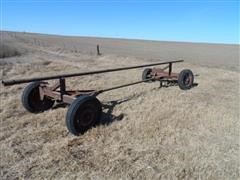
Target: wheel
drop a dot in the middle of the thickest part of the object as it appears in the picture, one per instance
(82, 114)
(185, 79)
(31, 99)
(146, 74)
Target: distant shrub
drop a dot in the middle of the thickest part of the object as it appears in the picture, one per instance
(8, 51)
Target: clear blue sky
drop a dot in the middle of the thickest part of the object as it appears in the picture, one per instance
(212, 21)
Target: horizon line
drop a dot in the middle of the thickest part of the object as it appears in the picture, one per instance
(122, 38)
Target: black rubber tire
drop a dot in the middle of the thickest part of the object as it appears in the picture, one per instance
(31, 99)
(185, 79)
(146, 73)
(84, 113)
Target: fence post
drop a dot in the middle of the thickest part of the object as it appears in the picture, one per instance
(98, 50)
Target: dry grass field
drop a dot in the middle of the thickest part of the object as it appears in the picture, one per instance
(145, 132)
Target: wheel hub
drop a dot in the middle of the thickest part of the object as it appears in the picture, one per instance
(86, 117)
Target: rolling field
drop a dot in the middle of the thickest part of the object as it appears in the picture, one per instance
(146, 132)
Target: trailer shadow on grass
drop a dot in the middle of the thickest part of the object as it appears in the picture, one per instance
(107, 116)
(170, 84)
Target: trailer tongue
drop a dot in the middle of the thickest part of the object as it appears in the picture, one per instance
(85, 109)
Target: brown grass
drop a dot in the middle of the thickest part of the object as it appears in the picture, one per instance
(8, 51)
(146, 132)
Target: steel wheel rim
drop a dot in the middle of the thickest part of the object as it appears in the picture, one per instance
(86, 117)
(187, 79)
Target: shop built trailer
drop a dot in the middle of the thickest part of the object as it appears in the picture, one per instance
(85, 109)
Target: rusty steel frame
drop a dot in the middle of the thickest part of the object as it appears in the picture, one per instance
(59, 93)
(20, 81)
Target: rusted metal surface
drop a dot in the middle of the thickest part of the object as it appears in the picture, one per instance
(160, 74)
(67, 96)
(20, 81)
(60, 93)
